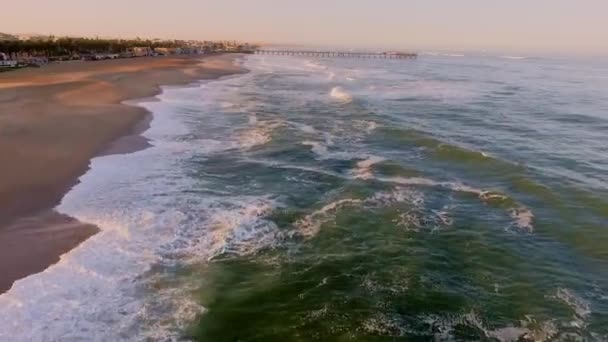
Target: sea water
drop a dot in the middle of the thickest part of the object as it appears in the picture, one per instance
(446, 198)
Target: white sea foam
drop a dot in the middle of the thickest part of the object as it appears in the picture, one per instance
(317, 147)
(371, 125)
(259, 133)
(275, 164)
(367, 125)
(310, 225)
(340, 94)
(363, 170)
(242, 230)
(314, 65)
(442, 328)
(304, 128)
(580, 307)
(522, 216)
(513, 57)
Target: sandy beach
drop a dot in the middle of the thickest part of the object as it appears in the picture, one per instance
(53, 120)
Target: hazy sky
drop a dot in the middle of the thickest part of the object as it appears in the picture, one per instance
(464, 24)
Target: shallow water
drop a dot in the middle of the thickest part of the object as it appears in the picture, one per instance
(448, 198)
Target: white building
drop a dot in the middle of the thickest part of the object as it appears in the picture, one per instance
(8, 64)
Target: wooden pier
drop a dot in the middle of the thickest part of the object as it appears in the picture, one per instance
(338, 54)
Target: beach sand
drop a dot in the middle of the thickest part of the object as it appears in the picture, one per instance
(53, 120)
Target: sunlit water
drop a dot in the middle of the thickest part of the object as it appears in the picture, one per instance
(447, 198)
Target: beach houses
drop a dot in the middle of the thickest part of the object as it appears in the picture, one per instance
(168, 51)
(140, 51)
(34, 61)
(6, 62)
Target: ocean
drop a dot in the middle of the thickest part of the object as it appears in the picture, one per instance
(445, 198)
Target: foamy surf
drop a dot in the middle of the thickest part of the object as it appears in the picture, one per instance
(522, 216)
(364, 167)
(340, 94)
(106, 289)
(513, 57)
(259, 132)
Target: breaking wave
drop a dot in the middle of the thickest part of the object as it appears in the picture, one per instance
(259, 133)
(310, 225)
(523, 217)
(513, 57)
(340, 94)
(364, 167)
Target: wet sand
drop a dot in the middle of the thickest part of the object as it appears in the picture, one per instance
(53, 120)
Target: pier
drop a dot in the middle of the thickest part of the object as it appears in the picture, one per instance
(338, 54)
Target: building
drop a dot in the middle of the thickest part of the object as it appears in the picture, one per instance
(163, 51)
(8, 64)
(168, 51)
(140, 51)
(33, 61)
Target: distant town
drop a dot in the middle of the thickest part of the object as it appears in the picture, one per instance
(18, 51)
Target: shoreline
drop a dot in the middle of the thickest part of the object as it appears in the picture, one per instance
(57, 119)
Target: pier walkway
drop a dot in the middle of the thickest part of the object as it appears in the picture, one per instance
(337, 54)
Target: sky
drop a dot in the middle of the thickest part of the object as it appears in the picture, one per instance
(535, 25)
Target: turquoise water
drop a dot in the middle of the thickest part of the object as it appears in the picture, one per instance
(446, 198)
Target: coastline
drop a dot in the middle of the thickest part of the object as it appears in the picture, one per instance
(54, 121)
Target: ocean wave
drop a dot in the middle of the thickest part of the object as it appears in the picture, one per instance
(446, 327)
(440, 150)
(579, 306)
(318, 148)
(259, 133)
(280, 165)
(304, 128)
(322, 152)
(363, 170)
(310, 225)
(367, 125)
(340, 94)
(522, 216)
(314, 65)
(242, 230)
(97, 291)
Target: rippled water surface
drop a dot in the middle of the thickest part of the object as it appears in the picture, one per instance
(447, 198)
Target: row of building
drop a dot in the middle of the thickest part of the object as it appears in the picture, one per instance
(7, 61)
(16, 60)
